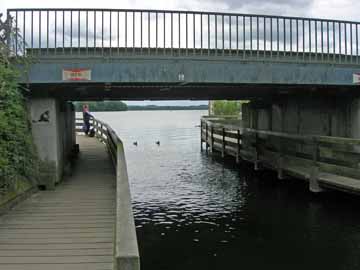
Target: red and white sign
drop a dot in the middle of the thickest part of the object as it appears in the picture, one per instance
(356, 78)
(77, 74)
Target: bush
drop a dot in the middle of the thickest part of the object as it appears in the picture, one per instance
(225, 107)
(18, 159)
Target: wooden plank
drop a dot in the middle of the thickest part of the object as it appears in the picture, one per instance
(49, 240)
(63, 266)
(61, 212)
(339, 181)
(56, 231)
(69, 228)
(55, 226)
(59, 222)
(61, 252)
(56, 259)
(54, 246)
(54, 236)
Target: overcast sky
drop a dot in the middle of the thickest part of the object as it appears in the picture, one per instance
(329, 9)
(335, 9)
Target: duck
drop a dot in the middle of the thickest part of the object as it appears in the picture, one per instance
(135, 143)
(158, 142)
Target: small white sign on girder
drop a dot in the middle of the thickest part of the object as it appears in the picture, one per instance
(76, 74)
(356, 78)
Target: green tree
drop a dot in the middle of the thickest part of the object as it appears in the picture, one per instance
(102, 106)
(226, 107)
(18, 157)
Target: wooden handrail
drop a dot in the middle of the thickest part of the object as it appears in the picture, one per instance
(337, 155)
(321, 139)
(126, 251)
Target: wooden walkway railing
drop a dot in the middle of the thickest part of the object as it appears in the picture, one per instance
(325, 161)
(126, 256)
(85, 223)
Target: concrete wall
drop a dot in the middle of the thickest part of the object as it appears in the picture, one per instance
(338, 117)
(355, 118)
(53, 133)
(324, 116)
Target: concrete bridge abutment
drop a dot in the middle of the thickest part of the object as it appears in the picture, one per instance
(306, 117)
(53, 129)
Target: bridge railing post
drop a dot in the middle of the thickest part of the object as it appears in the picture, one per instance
(300, 39)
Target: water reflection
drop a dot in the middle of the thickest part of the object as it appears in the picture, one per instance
(193, 211)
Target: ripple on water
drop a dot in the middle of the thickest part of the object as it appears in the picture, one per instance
(188, 206)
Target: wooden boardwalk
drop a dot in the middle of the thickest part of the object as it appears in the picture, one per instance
(71, 227)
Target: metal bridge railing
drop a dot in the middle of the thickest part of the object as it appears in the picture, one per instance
(108, 32)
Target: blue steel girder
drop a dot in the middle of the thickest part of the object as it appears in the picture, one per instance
(191, 70)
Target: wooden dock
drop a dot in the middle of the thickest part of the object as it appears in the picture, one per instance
(323, 161)
(71, 227)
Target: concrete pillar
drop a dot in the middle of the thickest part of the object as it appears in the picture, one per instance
(53, 133)
(211, 107)
(354, 129)
(264, 119)
(67, 131)
(45, 117)
(245, 115)
(277, 118)
(354, 126)
(290, 116)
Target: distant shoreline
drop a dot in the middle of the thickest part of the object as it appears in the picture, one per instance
(167, 108)
(147, 108)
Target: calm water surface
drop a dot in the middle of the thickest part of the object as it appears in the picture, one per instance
(193, 211)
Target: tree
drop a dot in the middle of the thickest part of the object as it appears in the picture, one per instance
(18, 157)
(226, 107)
(102, 106)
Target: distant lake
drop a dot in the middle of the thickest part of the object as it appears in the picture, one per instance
(195, 212)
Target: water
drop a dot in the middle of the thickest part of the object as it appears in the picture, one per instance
(193, 211)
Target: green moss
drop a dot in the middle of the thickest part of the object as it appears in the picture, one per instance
(20, 186)
(47, 174)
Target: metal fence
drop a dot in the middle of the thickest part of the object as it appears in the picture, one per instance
(181, 33)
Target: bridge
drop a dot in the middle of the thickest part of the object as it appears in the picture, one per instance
(157, 54)
(300, 75)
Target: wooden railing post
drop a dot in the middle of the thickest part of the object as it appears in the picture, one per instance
(207, 137)
(223, 143)
(238, 147)
(95, 126)
(201, 135)
(256, 162)
(212, 140)
(314, 174)
(101, 132)
(280, 161)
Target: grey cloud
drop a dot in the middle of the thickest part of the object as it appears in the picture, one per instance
(265, 3)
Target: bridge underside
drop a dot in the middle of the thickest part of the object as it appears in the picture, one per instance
(118, 91)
